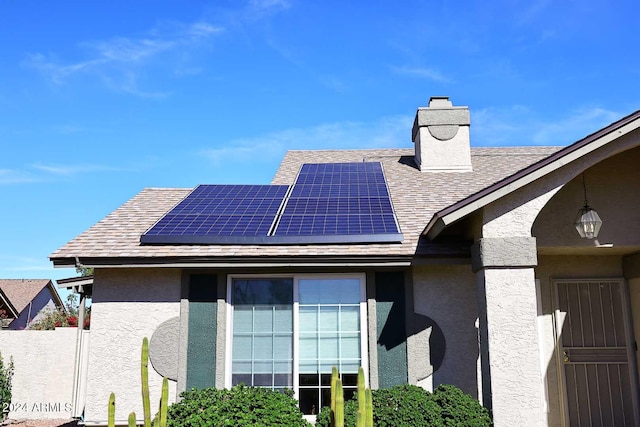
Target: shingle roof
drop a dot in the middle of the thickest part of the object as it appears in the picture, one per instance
(416, 197)
(20, 292)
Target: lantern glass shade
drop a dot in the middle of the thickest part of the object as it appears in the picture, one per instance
(588, 223)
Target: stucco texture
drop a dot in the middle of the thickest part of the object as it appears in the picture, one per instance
(447, 297)
(128, 305)
(44, 365)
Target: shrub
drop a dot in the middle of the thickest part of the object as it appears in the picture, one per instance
(459, 409)
(405, 405)
(5, 387)
(238, 407)
(66, 316)
(412, 406)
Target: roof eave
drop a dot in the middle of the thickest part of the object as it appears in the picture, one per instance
(590, 143)
(234, 262)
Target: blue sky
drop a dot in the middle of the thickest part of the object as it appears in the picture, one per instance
(99, 100)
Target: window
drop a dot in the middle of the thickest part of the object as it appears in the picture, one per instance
(288, 332)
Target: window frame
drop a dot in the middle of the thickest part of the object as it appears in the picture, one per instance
(364, 326)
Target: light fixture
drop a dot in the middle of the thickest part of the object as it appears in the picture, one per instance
(587, 221)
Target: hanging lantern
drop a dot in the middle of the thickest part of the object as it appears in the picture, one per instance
(587, 221)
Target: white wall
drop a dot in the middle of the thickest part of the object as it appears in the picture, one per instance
(44, 367)
(127, 305)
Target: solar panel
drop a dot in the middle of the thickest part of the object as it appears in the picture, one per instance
(329, 203)
(339, 202)
(220, 214)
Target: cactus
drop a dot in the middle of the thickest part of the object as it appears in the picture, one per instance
(163, 402)
(339, 412)
(112, 410)
(160, 419)
(334, 380)
(361, 395)
(144, 367)
(369, 408)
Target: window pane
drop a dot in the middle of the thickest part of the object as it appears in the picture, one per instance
(263, 380)
(263, 319)
(241, 379)
(242, 348)
(328, 347)
(309, 401)
(263, 347)
(282, 347)
(328, 318)
(262, 332)
(262, 291)
(308, 380)
(243, 319)
(283, 366)
(282, 380)
(308, 365)
(308, 317)
(262, 366)
(329, 291)
(242, 367)
(350, 319)
(282, 318)
(308, 346)
(350, 346)
(349, 365)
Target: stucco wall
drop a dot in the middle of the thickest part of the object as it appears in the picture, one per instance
(44, 367)
(447, 297)
(613, 190)
(127, 305)
(550, 267)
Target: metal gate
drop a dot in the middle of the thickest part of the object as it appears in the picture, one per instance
(596, 355)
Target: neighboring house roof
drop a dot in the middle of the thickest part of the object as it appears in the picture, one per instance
(5, 304)
(416, 197)
(20, 292)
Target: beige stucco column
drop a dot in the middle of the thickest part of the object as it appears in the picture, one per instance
(504, 258)
(511, 377)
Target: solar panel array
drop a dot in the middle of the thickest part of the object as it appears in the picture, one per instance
(220, 213)
(338, 199)
(329, 203)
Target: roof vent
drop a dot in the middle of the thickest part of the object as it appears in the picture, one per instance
(441, 135)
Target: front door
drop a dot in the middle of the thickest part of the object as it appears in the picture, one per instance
(595, 353)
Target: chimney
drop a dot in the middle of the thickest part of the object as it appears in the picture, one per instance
(441, 135)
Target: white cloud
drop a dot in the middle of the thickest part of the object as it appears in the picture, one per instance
(70, 169)
(387, 132)
(40, 172)
(13, 176)
(117, 60)
(423, 73)
(575, 126)
(259, 9)
(519, 125)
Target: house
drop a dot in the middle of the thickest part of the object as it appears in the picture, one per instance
(479, 278)
(23, 301)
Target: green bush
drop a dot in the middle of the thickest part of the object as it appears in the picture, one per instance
(238, 407)
(411, 406)
(459, 409)
(5, 387)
